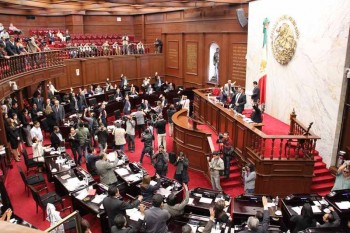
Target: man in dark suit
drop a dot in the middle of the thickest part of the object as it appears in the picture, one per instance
(114, 206)
(11, 47)
(39, 101)
(256, 115)
(127, 106)
(73, 104)
(253, 223)
(56, 137)
(156, 217)
(239, 100)
(158, 84)
(256, 92)
(59, 112)
(82, 101)
(123, 83)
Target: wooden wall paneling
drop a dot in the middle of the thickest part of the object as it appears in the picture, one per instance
(222, 122)
(75, 24)
(239, 137)
(108, 24)
(192, 60)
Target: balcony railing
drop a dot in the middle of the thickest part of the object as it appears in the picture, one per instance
(28, 62)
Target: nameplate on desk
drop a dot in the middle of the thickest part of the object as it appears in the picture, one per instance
(205, 200)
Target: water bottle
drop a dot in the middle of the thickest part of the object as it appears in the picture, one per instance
(276, 200)
(217, 228)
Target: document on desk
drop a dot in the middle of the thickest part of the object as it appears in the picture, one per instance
(153, 182)
(111, 156)
(190, 201)
(206, 200)
(67, 176)
(134, 214)
(133, 177)
(82, 194)
(122, 171)
(343, 205)
(73, 183)
(164, 192)
(99, 198)
(297, 209)
(316, 209)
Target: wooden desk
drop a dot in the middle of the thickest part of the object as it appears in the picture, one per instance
(339, 196)
(196, 144)
(295, 200)
(200, 208)
(53, 168)
(245, 206)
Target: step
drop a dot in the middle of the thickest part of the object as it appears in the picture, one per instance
(230, 183)
(235, 176)
(322, 179)
(320, 165)
(234, 169)
(318, 158)
(322, 187)
(322, 171)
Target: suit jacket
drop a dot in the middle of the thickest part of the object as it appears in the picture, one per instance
(133, 229)
(301, 223)
(256, 114)
(227, 89)
(114, 206)
(60, 113)
(256, 94)
(72, 103)
(242, 100)
(127, 108)
(82, 102)
(55, 141)
(106, 171)
(11, 49)
(158, 84)
(156, 219)
(39, 102)
(264, 225)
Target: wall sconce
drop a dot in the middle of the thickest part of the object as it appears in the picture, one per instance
(77, 72)
(13, 85)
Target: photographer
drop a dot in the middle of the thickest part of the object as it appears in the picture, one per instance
(249, 176)
(147, 139)
(227, 151)
(161, 159)
(181, 173)
(342, 180)
(216, 165)
(160, 125)
(130, 133)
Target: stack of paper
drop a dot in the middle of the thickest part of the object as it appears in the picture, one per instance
(206, 200)
(133, 177)
(190, 201)
(343, 205)
(153, 182)
(315, 209)
(134, 214)
(111, 156)
(99, 198)
(297, 209)
(164, 192)
(82, 194)
(121, 171)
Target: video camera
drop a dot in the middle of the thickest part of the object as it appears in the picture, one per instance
(220, 138)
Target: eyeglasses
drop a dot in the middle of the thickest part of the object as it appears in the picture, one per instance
(347, 172)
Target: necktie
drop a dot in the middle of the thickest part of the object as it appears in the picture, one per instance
(239, 94)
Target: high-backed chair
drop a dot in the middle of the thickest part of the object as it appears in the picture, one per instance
(34, 180)
(117, 114)
(42, 200)
(30, 163)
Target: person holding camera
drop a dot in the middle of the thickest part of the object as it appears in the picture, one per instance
(342, 179)
(226, 146)
(216, 165)
(160, 161)
(181, 173)
(161, 131)
(130, 133)
(147, 139)
(249, 176)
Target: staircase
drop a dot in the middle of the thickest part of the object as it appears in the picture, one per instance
(233, 185)
(323, 180)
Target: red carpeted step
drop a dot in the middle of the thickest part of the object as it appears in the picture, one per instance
(322, 187)
(226, 184)
(322, 179)
(318, 158)
(319, 165)
(234, 169)
(321, 171)
(235, 176)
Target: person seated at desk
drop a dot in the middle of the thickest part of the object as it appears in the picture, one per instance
(133, 93)
(114, 206)
(177, 209)
(256, 115)
(220, 214)
(118, 95)
(91, 91)
(149, 90)
(253, 223)
(7, 215)
(145, 106)
(168, 87)
(331, 219)
(342, 179)
(121, 223)
(156, 217)
(106, 169)
(146, 82)
(305, 220)
(239, 100)
(98, 90)
(147, 190)
(56, 137)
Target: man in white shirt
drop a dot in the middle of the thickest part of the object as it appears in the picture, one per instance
(36, 132)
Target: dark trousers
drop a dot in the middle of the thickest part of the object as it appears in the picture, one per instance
(227, 159)
(144, 151)
(131, 141)
(77, 154)
(140, 129)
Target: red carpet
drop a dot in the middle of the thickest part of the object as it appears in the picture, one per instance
(24, 206)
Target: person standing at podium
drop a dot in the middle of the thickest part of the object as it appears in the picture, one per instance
(216, 165)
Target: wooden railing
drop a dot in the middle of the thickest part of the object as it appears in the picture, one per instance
(27, 62)
(74, 216)
(24, 63)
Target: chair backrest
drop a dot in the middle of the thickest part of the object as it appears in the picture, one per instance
(25, 155)
(22, 175)
(36, 195)
(92, 101)
(117, 114)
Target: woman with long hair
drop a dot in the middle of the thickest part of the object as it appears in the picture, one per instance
(304, 220)
(50, 118)
(147, 190)
(14, 138)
